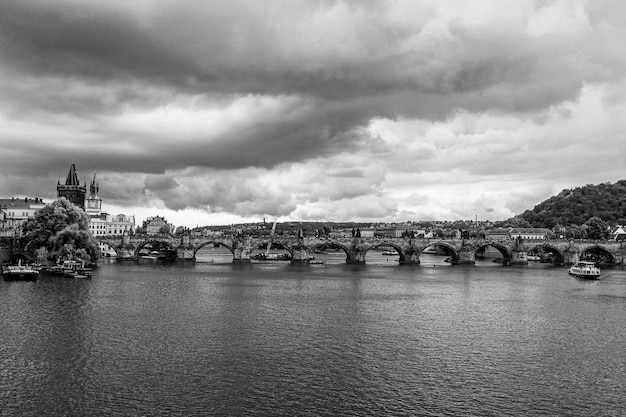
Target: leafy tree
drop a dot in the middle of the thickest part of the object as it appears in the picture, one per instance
(597, 228)
(63, 230)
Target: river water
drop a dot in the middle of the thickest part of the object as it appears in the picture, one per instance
(275, 339)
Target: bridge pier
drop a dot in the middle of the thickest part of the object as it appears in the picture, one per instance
(571, 255)
(241, 249)
(126, 250)
(356, 251)
(300, 255)
(185, 252)
(467, 256)
(409, 257)
(519, 257)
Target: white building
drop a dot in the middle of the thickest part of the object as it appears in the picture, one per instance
(530, 233)
(104, 224)
(14, 212)
(108, 225)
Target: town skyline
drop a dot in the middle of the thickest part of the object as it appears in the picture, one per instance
(208, 113)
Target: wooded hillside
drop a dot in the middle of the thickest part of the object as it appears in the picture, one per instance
(578, 206)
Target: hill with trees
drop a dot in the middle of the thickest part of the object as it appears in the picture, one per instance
(580, 212)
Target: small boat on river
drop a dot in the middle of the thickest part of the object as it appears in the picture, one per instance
(76, 269)
(20, 271)
(272, 256)
(585, 270)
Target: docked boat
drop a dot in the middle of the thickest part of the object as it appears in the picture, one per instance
(20, 272)
(272, 256)
(585, 269)
(76, 269)
(154, 255)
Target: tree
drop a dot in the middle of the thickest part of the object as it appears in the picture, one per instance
(63, 230)
(180, 230)
(597, 228)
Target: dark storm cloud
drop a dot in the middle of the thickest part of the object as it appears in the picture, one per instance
(215, 48)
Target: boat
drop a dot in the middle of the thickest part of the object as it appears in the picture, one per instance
(390, 253)
(154, 255)
(585, 269)
(76, 269)
(20, 271)
(272, 256)
(533, 257)
(52, 269)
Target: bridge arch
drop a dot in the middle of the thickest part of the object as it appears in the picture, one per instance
(16, 257)
(106, 249)
(215, 243)
(504, 251)
(447, 248)
(159, 242)
(388, 244)
(282, 245)
(331, 245)
(554, 254)
(598, 254)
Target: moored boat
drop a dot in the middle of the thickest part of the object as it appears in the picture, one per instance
(585, 269)
(76, 269)
(273, 256)
(20, 272)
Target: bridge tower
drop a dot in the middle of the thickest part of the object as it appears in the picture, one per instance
(72, 190)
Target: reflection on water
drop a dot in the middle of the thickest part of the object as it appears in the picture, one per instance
(333, 339)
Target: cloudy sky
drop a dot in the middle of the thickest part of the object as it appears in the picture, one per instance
(214, 112)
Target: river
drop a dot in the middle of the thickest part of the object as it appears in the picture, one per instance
(275, 339)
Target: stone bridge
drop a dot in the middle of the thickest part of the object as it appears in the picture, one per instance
(460, 251)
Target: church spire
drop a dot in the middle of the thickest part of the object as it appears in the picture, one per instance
(94, 188)
(94, 202)
(72, 190)
(72, 177)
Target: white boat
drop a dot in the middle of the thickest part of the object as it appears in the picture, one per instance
(585, 269)
(76, 269)
(273, 256)
(19, 271)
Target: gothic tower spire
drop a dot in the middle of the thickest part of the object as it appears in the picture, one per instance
(94, 202)
(72, 190)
